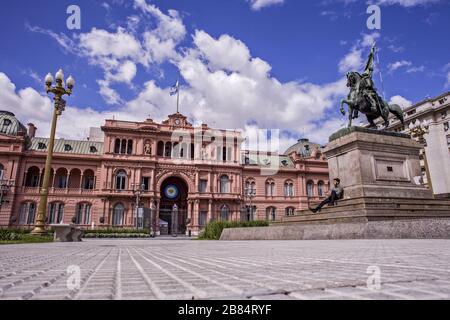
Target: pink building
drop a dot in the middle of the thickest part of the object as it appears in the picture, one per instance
(201, 170)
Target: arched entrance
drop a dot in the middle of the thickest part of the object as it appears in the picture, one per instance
(174, 191)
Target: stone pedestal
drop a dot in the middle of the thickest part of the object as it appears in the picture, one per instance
(376, 164)
(383, 195)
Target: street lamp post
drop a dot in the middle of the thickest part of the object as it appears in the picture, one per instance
(250, 194)
(418, 131)
(138, 193)
(59, 106)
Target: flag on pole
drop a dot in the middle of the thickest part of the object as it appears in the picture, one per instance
(175, 89)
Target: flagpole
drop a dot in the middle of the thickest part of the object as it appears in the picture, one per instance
(178, 98)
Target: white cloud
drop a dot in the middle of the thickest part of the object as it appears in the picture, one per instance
(259, 4)
(401, 101)
(408, 65)
(398, 64)
(224, 85)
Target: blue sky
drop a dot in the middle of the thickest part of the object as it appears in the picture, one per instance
(244, 64)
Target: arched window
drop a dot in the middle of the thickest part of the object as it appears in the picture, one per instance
(310, 189)
(160, 148)
(130, 147)
(271, 214)
(32, 178)
(289, 189)
(83, 213)
(121, 180)
(290, 211)
(117, 146)
(250, 187)
(321, 189)
(56, 212)
(118, 214)
(224, 213)
(224, 184)
(27, 213)
(270, 188)
(2, 172)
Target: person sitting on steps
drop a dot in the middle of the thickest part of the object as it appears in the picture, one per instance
(337, 193)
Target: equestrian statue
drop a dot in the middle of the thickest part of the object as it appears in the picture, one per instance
(363, 97)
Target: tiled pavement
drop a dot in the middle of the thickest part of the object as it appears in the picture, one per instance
(165, 269)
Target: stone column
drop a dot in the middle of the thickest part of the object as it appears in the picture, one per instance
(196, 216)
(81, 182)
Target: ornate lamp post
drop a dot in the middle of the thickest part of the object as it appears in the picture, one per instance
(59, 106)
(138, 193)
(418, 131)
(250, 194)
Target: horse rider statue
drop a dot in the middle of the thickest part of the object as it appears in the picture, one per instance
(363, 96)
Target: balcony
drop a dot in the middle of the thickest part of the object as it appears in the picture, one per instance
(56, 191)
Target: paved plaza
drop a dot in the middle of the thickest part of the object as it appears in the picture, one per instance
(183, 269)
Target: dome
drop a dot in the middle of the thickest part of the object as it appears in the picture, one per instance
(303, 148)
(10, 126)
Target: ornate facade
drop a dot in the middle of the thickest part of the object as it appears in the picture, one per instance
(98, 183)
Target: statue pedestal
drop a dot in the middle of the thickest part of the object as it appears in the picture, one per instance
(378, 164)
(383, 196)
(381, 175)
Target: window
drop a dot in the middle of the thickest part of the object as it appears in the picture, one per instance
(290, 211)
(56, 212)
(310, 189)
(270, 188)
(117, 146)
(130, 147)
(168, 150)
(68, 148)
(42, 146)
(123, 146)
(6, 123)
(160, 149)
(410, 113)
(2, 172)
(448, 140)
(146, 183)
(446, 126)
(321, 189)
(250, 188)
(224, 213)
(224, 184)
(271, 214)
(289, 189)
(83, 213)
(121, 180)
(118, 214)
(27, 213)
(203, 186)
(203, 218)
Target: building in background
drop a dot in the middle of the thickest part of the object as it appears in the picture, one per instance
(435, 112)
(95, 182)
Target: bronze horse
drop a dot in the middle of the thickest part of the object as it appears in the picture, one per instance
(357, 102)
